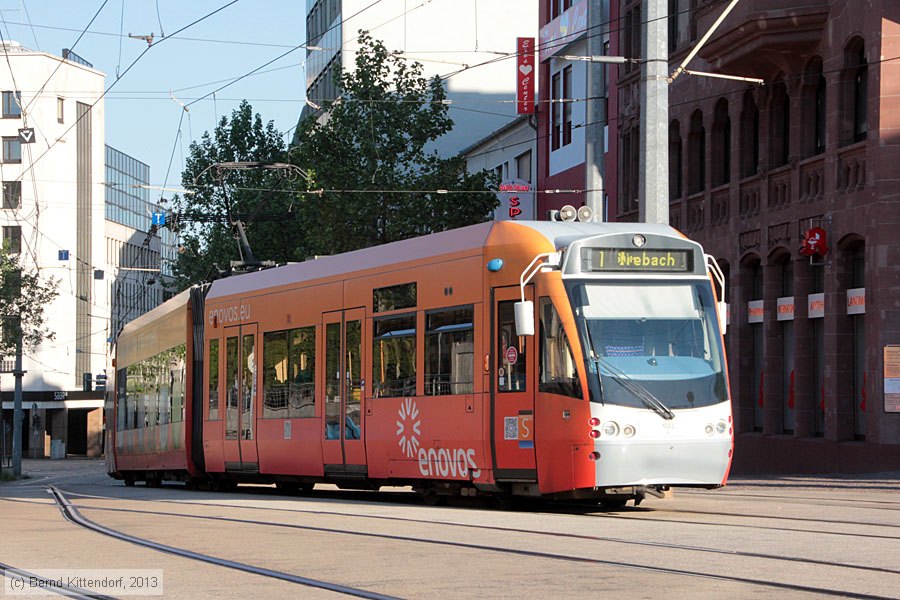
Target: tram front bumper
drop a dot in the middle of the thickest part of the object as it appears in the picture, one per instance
(667, 462)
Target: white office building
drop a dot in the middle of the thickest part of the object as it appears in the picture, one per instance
(52, 169)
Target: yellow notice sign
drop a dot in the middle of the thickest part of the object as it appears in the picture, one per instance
(892, 378)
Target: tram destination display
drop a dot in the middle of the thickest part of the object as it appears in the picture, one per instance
(636, 260)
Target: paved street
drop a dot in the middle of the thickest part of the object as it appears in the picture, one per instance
(795, 537)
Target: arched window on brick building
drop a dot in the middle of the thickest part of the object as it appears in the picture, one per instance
(779, 125)
(854, 93)
(696, 154)
(721, 144)
(749, 136)
(812, 111)
(676, 160)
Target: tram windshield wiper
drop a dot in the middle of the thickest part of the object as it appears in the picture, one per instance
(639, 391)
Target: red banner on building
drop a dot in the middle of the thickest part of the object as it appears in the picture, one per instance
(525, 76)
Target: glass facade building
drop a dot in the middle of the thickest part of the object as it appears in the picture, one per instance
(130, 205)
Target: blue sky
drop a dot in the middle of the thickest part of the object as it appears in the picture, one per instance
(141, 118)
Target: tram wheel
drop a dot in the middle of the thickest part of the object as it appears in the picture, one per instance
(128, 480)
(224, 485)
(432, 498)
(613, 503)
(501, 501)
(153, 481)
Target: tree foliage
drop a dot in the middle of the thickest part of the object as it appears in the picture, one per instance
(23, 296)
(371, 146)
(260, 198)
(369, 178)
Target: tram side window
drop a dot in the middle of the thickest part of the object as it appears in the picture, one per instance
(289, 376)
(212, 377)
(511, 366)
(231, 388)
(302, 401)
(395, 297)
(394, 357)
(154, 389)
(122, 399)
(558, 374)
(449, 352)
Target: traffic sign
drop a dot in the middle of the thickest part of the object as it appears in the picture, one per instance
(26, 135)
(159, 219)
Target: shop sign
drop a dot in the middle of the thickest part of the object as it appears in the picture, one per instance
(516, 201)
(815, 305)
(755, 311)
(815, 241)
(856, 301)
(892, 379)
(525, 76)
(785, 307)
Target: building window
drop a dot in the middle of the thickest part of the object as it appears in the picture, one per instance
(556, 111)
(812, 113)
(558, 7)
(12, 105)
(449, 352)
(779, 126)
(12, 238)
(12, 195)
(855, 93)
(60, 113)
(523, 166)
(676, 161)
(721, 150)
(12, 150)
(630, 169)
(749, 136)
(567, 106)
(696, 154)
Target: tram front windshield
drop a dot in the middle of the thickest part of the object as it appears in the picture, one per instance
(654, 345)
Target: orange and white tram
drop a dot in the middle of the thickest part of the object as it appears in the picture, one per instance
(555, 359)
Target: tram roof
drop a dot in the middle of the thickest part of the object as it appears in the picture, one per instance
(464, 241)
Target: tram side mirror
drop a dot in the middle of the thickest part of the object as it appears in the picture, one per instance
(722, 309)
(524, 318)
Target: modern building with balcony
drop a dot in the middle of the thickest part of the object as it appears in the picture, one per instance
(792, 185)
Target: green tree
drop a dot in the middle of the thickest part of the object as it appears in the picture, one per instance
(23, 296)
(370, 147)
(261, 198)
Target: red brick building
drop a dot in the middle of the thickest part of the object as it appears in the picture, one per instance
(752, 170)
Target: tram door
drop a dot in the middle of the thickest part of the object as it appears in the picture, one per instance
(241, 385)
(512, 390)
(345, 384)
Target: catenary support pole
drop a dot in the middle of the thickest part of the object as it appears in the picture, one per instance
(18, 415)
(653, 198)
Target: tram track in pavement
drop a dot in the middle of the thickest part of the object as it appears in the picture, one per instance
(72, 514)
(784, 586)
(626, 514)
(860, 503)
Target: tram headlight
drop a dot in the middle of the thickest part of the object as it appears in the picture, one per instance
(610, 429)
(594, 421)
(594, 434)
(721, 427)
(709, 429)
(628, 431)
